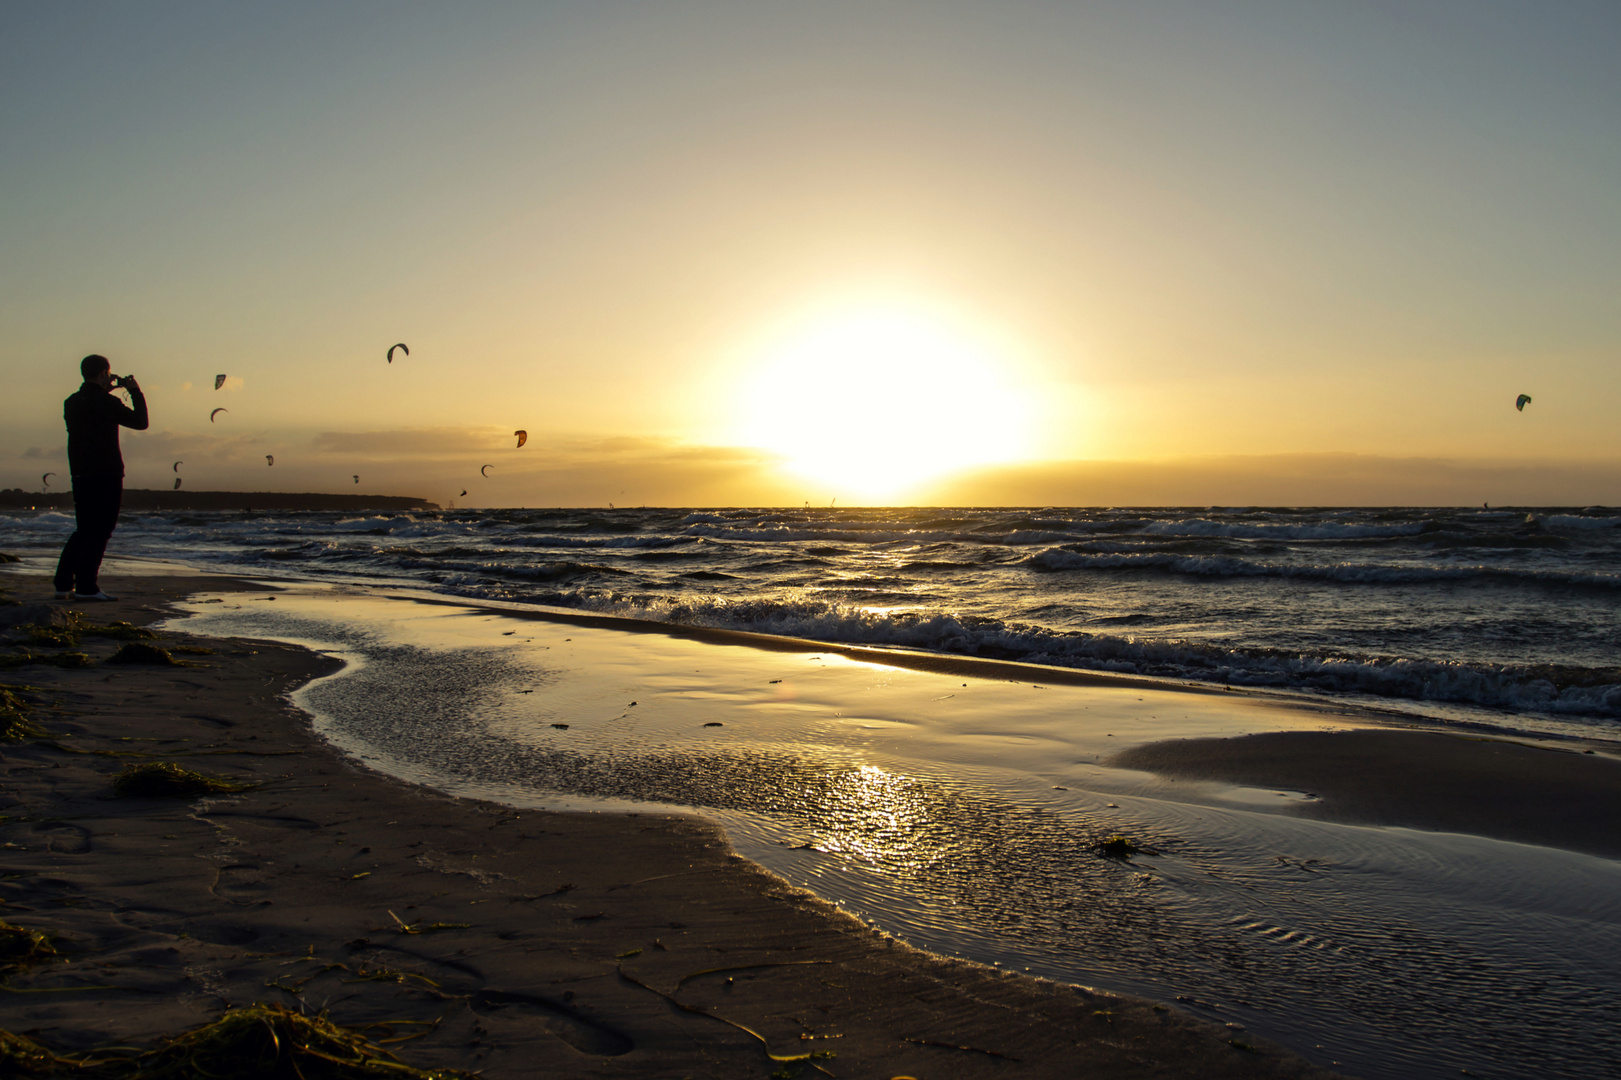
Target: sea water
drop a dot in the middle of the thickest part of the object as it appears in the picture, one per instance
(1503, 617)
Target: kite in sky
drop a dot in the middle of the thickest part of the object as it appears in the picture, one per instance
(219, 381)
(357, 479)
(177, 483)
(464, 492)
(1522, 401)
(46, 480)
(523, 436)
(401, 347)
(177, 465)
(485, 471)
(270, 459)
(215, 413)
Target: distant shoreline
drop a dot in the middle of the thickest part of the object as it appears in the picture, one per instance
(149, 499)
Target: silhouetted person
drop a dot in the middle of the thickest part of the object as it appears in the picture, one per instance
(94, 416)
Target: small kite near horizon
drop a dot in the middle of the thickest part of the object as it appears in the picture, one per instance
(215, 413)
(1522, 401)
(46, 479)
(485, 471)
(177, 465)
(177, 483)
(219, 381)
(357, 479)
(523, 436)
(401, 347)
(270, 459)
(464, 492)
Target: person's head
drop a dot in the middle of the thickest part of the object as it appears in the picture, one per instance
(97, 369)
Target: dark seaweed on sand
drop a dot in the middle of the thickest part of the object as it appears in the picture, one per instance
(166, 780)
(137, 653)
(62, 660)
(20, 945)
(14, 722)
(256, 1042)
(74, 627)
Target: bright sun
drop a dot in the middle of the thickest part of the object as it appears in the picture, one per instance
(872, 403)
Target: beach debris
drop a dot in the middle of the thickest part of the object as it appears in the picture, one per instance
(1118, 847)
(14, 723)
(270, 459)
(61, 660)
(219, 381)
(523, 436)
(216, 412)
(485, 471)
(746, 967)
(137, 653)
(812, 1057)
(177, 465)
(177, 483)
(401, 347)
(251, 1042)
(1522, 401)
(45, 481)
(19, 946)
(955, 1046)
(23, 1056)
(166, 780)
(403, 927)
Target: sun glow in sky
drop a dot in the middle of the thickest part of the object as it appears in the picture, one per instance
(870, 402)
(1223, 251)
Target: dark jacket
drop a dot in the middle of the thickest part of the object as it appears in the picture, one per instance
(93, 417)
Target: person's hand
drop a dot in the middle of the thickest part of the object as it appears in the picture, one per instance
(127, 382)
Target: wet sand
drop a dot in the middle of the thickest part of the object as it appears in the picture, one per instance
(534, 943)
(1561, 797)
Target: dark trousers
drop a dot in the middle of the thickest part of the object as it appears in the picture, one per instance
(96, 500)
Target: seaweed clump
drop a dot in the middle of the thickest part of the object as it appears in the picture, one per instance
(138, 653)
(62, 660)
(14, 722)
(22, 1056)
(73, 627)
(1118, 847)
(20, 945)
(54, 637)
(166, 780)
(255, 1042)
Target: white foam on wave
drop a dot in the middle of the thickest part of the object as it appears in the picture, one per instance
(1495, 686)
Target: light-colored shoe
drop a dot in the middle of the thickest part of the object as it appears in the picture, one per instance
(93, 596)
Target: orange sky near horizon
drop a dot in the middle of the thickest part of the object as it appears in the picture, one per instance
(719, 254)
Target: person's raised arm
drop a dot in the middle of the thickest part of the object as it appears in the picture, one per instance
(135, 417)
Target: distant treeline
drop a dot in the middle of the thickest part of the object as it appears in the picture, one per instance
(145, 499)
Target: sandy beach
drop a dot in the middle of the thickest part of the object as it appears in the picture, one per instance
(511, 943)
